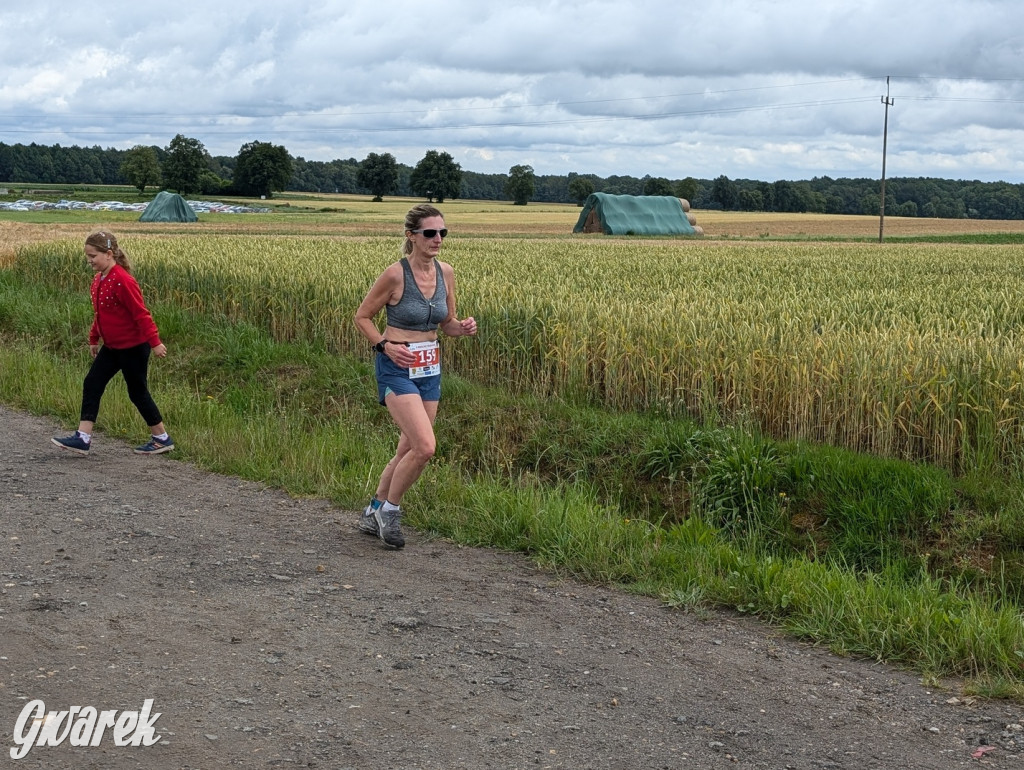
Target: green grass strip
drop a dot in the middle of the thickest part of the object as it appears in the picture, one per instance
(700, 516)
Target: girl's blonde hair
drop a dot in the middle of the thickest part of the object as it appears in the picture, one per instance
(104, 241)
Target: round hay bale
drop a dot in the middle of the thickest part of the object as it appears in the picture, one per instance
(685, 203)
(691, 218)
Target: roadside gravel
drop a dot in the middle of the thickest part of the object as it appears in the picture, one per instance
(269, 632)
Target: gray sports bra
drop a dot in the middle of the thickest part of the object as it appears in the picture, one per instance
(414, 312)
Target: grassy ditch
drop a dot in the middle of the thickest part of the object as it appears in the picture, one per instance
(894, 561)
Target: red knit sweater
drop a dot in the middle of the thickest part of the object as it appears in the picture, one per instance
(121, 319)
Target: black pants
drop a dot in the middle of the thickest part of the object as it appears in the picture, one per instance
(133, 363)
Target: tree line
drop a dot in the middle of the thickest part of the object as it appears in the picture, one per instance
(262, 168)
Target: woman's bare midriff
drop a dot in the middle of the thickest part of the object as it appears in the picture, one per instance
(407, 335)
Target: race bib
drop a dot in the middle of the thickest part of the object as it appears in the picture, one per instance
(428, 359)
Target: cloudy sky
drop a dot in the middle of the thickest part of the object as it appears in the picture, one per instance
(753, 89)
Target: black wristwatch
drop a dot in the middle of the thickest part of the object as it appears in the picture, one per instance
(379, 347)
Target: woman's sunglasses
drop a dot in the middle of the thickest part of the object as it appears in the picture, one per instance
(430, 233)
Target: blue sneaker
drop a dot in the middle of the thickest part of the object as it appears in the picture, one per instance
(74, 443)
(155, 446)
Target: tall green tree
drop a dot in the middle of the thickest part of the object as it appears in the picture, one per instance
(793, 198)
(687, 189)
(750, 200)
(211, 184)
(725, 193)
(184, 165)
(261, 169)
(141, 167)
(378, 173)
(521, 184)
(580, 188)
(436, 177)
(657, 185)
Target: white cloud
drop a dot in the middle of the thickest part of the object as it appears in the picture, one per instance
(779, 90)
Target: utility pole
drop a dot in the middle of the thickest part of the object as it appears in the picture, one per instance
(885, 138)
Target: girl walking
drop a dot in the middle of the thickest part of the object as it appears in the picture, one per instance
(129, 334)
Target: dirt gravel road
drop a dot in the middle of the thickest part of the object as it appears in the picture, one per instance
(269, 632)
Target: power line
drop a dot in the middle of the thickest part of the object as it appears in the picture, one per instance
(442, 110)
(959, 79)
(471, 126)
(960, 99)
(209, 124)
(549, 104)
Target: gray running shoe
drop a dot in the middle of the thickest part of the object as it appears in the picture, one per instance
(390, 527)
(368, 522)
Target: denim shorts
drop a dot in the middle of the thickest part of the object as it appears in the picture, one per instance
(395, 379)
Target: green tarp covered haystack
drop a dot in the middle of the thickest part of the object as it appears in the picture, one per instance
(636, 215)
(168, 207)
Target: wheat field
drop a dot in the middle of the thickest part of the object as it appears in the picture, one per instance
(904, 350)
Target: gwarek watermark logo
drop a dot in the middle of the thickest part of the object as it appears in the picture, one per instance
(82, 726)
